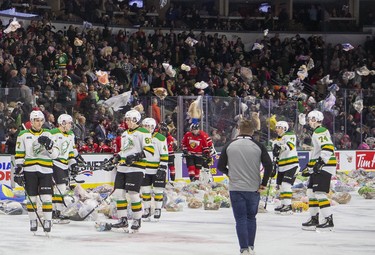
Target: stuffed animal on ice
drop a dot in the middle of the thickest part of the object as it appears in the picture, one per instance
(195, 110)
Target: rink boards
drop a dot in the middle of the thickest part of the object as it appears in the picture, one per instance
(347, 161)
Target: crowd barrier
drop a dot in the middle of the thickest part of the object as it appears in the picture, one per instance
(349, 160)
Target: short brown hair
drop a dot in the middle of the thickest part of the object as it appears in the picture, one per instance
(247, 127)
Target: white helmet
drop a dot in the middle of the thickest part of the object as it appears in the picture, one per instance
(64, 118)
(36, 115)
(134, 115)
(283, 124)
(315, 116)
(149, 124)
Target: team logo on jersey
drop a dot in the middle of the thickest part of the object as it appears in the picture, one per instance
(37, 148)
(64, 147)
(128, 144)
(194, 143)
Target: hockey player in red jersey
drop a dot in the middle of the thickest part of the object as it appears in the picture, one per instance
(196, 147)
(171, 141)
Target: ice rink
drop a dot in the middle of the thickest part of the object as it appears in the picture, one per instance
(200, 232)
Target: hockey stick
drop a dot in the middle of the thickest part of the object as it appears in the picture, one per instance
(93, 209)
(274, 166)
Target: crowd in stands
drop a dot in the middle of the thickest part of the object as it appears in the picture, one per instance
(55, 72)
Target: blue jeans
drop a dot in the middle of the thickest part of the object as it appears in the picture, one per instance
(245, 208)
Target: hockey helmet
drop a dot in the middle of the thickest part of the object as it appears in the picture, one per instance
(315, 116)
(282, 124)
(36, 115)
(133, 115)
(194, 126)
(163, 128)
(64, 119)
(149, 124)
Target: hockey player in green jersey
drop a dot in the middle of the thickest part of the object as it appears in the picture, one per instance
(136, 145)
(35, 149)
(65, 160)
(321, 167)
(285, 153)
(156, 171)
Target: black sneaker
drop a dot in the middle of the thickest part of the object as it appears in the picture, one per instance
(123, 223)
(136, 224)
(312, 223)
(326, 225)
(157, 214)
(33, 225)
(47, 224)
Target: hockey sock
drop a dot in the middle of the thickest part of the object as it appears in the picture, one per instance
(30, 209)
(158, 197)
(324, 204)
(146, 196)
(136, 204)
(313, 202)
(46, 206)
(121, 203)
(286, 193)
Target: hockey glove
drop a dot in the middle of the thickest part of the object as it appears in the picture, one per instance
(74, 169)
(80, 160)
(276, 150)
(108, 165)
(318, 165)
(113, 160)
(19, 177)
(133, 158)
(185, 153)
(161, 172)
(46, 142)
(306, 172)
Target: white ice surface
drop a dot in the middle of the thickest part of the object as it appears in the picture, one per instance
(200, 232)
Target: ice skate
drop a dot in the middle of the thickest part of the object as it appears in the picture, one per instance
(58, 218)
(146, 214)
(327, 225)
(123, 223)
(135, 226)
(277, 209)
(33, 225)
(157, 214)
(286, 210)
(47, 224)
(311, 224)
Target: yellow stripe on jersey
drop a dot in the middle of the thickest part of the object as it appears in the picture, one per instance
(41, 162)
(287, 161)
(64, 161)
(164, 157)
(71, 155)
(152, 164)
(328, 147)
(290, 145)
(150, 149)
(20, 154)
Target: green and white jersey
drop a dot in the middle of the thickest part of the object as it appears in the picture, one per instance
(132, 142)
(323, 147)
(160, 156)
(65, 143)
(32, 155)
(288, 157)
